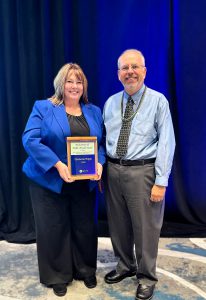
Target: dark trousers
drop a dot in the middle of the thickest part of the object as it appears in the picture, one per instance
(65, 232)
(134, 219)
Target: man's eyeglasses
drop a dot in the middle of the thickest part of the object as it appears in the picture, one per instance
(133, 67)
(71, 82)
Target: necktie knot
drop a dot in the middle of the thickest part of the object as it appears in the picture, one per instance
(129, 108)
(130, 100)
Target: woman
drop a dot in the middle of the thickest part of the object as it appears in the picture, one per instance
(63, 208)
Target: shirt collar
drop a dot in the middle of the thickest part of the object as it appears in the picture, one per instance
(136, 97)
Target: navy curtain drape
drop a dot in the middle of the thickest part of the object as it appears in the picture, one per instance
(38, 36)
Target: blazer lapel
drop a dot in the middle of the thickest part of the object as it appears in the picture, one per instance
(61, 117)
(88, 113)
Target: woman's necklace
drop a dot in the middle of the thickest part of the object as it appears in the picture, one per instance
(132, 116)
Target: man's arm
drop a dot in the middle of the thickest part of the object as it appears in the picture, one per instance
(165, 150)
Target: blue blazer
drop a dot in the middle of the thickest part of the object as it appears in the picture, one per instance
(44, 140)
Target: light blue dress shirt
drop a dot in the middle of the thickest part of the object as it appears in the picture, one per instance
(152, 134)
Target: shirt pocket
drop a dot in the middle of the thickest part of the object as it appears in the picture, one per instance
(144, 130)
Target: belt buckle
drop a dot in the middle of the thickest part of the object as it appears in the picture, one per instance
(121, 161)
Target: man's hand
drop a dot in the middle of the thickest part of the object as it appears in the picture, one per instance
(63, 171)
(157, 193)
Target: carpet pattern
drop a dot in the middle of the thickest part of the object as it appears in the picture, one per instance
(181, 269)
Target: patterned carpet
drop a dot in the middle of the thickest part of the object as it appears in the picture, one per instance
(181, 272)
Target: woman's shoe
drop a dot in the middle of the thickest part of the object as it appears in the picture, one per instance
(60, 289)
(90, 282)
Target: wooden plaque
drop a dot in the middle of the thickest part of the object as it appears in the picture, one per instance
(82, 157)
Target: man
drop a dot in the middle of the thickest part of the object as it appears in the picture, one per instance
(140, 147)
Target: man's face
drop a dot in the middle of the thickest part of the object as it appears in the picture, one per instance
(131, 72)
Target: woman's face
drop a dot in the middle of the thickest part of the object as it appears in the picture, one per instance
(73, 88)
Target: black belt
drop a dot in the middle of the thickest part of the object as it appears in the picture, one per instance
(128, 162)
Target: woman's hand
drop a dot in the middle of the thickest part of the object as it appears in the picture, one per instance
(99, 171)
(63, 171)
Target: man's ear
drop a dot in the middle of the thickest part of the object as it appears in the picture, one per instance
(118, 74)
(145, 72)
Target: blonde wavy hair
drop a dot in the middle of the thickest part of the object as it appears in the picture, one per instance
(60, 79)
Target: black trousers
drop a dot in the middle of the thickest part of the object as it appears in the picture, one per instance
(65, 232)
(134, 220)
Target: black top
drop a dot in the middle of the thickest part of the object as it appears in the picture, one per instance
(78, 125)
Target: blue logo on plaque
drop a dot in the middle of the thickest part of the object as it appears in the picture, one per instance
(83, 164)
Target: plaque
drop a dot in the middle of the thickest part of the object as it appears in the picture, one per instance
(82, 157)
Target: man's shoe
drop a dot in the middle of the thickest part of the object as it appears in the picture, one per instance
(90, 282)
(115, 277)
(60, 289)
(144, 292)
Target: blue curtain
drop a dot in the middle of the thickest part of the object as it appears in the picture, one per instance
(39, 36)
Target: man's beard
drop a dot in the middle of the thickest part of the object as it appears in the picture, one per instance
(131, 86)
